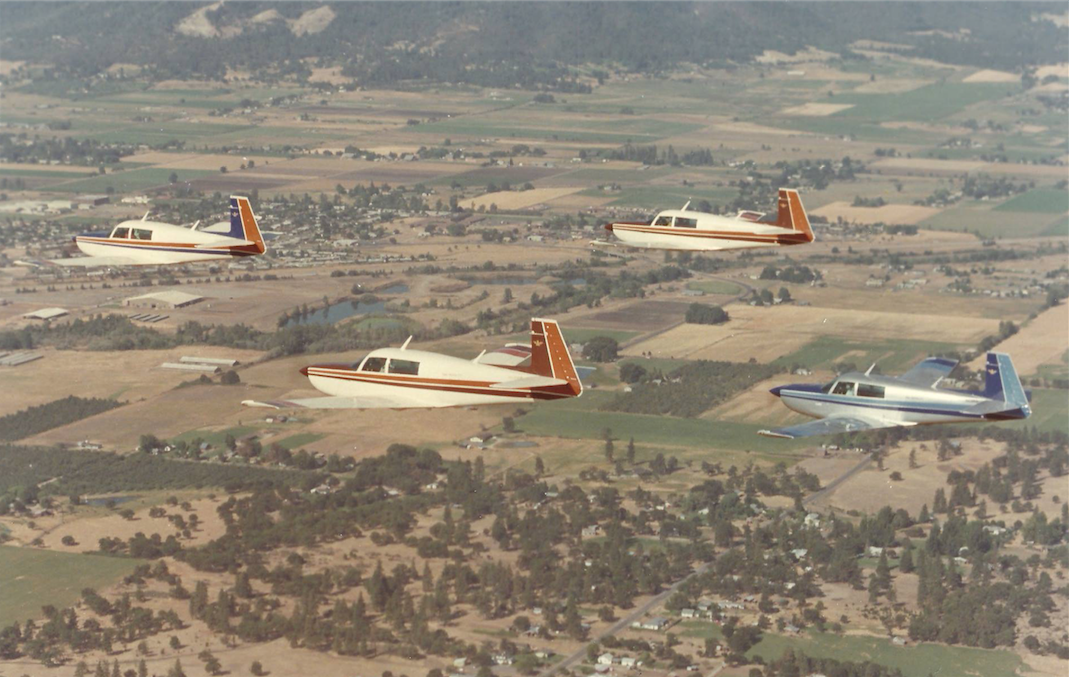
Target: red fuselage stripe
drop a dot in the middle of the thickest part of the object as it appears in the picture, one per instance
(443, 385)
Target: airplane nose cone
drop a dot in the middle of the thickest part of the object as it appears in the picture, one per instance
(776, 391)
(304, 371)
(608, 227)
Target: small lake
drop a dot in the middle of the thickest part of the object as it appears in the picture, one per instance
(341, 310)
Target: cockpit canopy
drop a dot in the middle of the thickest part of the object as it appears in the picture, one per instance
(666, 220)
(383, 365)
(848, 388)
(127, 233)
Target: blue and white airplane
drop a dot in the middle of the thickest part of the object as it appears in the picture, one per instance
(151, 243)
(854, 401)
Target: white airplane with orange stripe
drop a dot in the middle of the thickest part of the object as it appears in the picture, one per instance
(151, 243)
(686, 230)
(403, 378)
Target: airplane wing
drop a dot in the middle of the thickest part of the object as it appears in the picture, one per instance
(224, 242)
(927, 373)
(95, 261)
(829, 426)
(331, 403)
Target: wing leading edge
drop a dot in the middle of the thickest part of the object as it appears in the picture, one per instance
(828, 426)
(331, 403)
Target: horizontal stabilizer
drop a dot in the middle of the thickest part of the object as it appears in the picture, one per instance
(530, 382)
(511, 355)
(928, 373)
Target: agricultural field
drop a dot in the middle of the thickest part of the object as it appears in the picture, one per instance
(32, 578)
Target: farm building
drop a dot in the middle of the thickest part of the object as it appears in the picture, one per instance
(163, 299)
(46, 314)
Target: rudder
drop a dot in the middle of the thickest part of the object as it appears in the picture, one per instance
(243, 224)
(550, 356)
(1001, 381)
(791, 214)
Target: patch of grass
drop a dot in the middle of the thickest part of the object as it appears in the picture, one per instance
(216, 438)
(564, 420)
(299, 440)
(1050, 200)
(921, 660)
(1050, 412)
(989, 222)
(892, 356)
(925, 104)
(32, 578)
(503, 130)
(715, 287)
(31, 171)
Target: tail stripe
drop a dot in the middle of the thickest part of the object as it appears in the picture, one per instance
(550, 356)
(243, 223)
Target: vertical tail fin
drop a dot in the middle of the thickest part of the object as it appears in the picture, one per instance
(243, 223)
(792, 214)
(550, 356)
(1002, 383)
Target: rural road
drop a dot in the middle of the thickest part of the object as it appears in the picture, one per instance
(656, 600)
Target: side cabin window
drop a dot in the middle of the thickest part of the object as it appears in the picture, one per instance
(375, 364)
(120, 233)
(686, 223)
(663, 221)
(407, 367)
(843, 388)
(866, 390)
(826, 388)
(141, 234)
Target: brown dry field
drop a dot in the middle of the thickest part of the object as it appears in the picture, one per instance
(872, 489)
(1042, 341)
(988, 75)
(898, 165)
(33, 166)
(166, 415)
(891, 213)
(89, 524)
(513, 199)
(197, 160)
(861, 324)
(816, 109)
(125, 375)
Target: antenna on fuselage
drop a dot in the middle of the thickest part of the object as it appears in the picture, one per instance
(685, 206)
(405, 344)
(476, 360)
(145, 217)
(194, 226)
(868, 372)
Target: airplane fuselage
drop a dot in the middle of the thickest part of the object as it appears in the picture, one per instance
(424, 379)
(711, 235)
(886, 399)
(154, 243)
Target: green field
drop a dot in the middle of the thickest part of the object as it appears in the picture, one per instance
(925, 104)
(990, 223)
(1049, 200)
(578, 335)
(298, 440)
(31, 578)
(920, 660)
(715, 287)
(1050, 412)
(891, 356)
(42, 172)
(133, 180)
(565, 420)
(216, 438)
(503, 130)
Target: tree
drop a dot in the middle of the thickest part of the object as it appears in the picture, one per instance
(631, 372)
(912, 459)
(700, 313)
(608, 451)
(257, 669)
(175, 644)
(509, 424)
(68, 540)
(230, 378)
(601, 349)
(784, 295)
(631, 451)
(540, 467)
(173, 178)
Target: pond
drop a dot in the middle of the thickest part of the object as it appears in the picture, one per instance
(341, 310)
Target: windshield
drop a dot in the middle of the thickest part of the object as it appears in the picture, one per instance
(826, 388)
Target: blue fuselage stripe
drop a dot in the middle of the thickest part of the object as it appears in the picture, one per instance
(887, 406)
